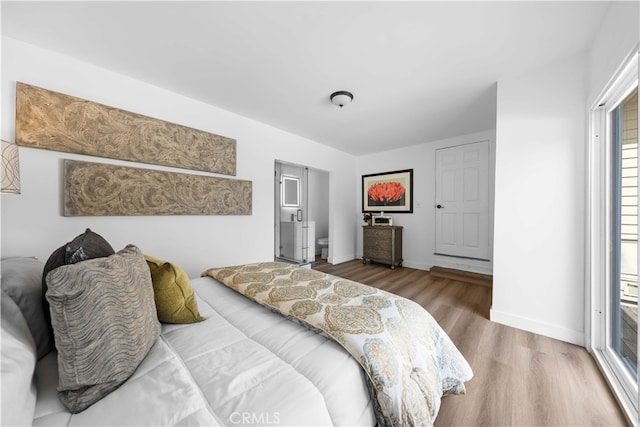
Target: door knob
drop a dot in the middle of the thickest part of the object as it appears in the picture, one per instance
(439, 206)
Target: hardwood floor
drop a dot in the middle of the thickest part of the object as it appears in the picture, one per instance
(520, 378)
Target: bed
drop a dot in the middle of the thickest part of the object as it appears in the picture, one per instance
(243, 364)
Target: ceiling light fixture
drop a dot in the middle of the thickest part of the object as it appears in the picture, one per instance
(341, 98)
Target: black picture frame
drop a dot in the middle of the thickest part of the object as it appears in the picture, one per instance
(390, 192)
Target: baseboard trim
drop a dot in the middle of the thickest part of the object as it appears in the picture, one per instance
(462, 276)
(340, 259)
(416, 265)
(537, 327)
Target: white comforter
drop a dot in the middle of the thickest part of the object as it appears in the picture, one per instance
(244, 365)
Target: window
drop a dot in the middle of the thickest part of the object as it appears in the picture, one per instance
(613, 235)
(624, 234)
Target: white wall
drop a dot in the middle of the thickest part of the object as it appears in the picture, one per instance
(418, 234)
(32, 224)
(538, 264)
(539, 247)
(616, 38)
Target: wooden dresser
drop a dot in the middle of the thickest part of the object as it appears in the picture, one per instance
(382, 243)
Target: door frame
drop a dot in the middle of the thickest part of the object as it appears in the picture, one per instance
(425, 202)
(318, 206)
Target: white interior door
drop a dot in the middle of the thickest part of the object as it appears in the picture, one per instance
(462, 201)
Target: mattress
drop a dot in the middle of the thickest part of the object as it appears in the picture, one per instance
(243, 365)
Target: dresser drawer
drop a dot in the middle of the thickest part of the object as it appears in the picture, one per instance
(378, 253)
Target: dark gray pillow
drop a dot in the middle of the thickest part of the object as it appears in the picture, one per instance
(21, 278)
(88, 245)
(104, 321)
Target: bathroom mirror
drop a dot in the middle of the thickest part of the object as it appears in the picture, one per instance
(290, 191)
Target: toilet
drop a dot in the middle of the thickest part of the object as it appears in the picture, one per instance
(323, 243)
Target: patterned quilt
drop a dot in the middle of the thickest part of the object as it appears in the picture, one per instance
(410, 361)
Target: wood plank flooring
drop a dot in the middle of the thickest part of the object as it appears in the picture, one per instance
(520, 378)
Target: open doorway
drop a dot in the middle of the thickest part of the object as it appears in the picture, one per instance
(301, 213)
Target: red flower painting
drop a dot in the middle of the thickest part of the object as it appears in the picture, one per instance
(388, 192)
(385, 193)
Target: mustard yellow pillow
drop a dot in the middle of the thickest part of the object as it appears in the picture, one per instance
(175, 300)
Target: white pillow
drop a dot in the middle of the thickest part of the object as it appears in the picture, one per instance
(19, 356)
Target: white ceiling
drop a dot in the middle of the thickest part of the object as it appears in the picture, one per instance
(420, 71)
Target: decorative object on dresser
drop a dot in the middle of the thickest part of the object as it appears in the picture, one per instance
(54, 121)
(366, 217)
(381, 219)
(382, 243)
(100, 189)
(388, 191)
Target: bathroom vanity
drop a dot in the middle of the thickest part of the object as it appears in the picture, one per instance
(292, 244)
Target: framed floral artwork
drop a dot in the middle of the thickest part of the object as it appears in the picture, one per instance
(388, 192)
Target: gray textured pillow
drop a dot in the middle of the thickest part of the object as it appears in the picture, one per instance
(104, 321)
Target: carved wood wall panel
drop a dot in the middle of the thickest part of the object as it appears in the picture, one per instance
(54, 121)
(100, 189)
